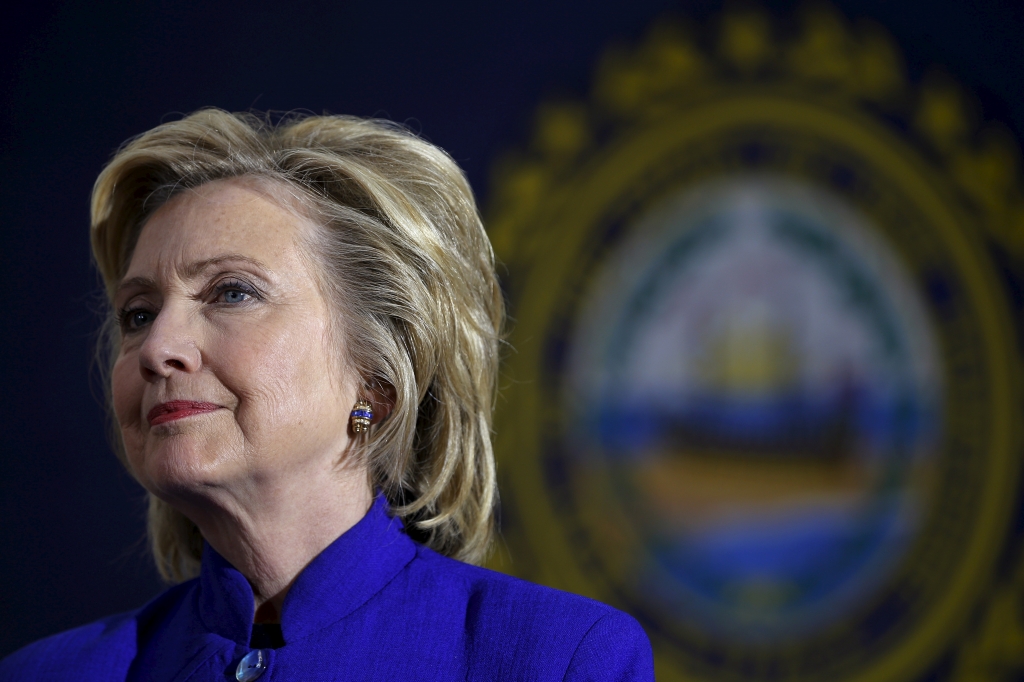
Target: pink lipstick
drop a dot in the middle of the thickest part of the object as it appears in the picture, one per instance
(178, 409)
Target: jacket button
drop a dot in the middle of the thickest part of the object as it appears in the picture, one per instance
(252, 665)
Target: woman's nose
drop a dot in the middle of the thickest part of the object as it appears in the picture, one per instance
(170, 346)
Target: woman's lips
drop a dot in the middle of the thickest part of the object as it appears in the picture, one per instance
(178, 409)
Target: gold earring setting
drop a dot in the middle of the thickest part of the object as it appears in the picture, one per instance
(362, 415)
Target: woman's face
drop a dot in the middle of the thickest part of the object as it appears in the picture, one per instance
(228, 376)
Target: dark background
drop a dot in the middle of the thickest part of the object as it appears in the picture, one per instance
(77, 79)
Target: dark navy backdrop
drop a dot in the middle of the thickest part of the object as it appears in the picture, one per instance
(79, 78)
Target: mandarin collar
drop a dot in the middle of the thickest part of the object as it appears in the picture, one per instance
(343, 577)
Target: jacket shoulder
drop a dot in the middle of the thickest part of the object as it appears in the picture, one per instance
(521, 630)
(97, 651)
(101, 650)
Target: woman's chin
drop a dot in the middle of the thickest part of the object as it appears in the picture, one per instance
(181, 466)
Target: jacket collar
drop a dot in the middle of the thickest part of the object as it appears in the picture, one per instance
(343, 577)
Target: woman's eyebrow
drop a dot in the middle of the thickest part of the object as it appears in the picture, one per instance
(135, 283)
(195, 268)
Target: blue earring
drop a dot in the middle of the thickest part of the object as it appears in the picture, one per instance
(362, 415)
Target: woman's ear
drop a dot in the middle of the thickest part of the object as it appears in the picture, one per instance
(382, 396)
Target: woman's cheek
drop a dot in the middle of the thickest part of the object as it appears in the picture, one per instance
(126, 391)
(120, 388)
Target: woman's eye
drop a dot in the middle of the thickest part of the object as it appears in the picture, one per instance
(133, 320)
(234, 293)
(234, 296)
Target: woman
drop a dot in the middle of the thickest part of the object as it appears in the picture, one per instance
(304, 348)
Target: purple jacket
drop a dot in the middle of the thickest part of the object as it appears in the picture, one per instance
(374, 605)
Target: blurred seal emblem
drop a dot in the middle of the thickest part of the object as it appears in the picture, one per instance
(763, 394)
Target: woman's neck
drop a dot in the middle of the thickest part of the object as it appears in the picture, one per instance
(274, 530)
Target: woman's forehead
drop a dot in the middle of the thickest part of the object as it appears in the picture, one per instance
(235, 217)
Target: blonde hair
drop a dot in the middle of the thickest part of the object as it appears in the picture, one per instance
(402, 254)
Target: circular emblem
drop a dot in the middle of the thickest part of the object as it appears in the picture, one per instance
(753, 378)
(763, 390)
